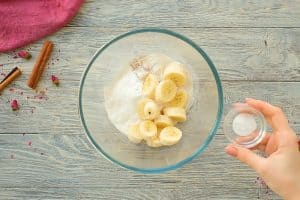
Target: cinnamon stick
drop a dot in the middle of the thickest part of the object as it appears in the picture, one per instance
(40, 64)
(10, 77)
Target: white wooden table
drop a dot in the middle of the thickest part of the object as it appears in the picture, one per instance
(44, 152)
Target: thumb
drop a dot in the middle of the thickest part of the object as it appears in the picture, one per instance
(246, 156)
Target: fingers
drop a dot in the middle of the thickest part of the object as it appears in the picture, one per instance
(266, 139)
(283, 134)
(259, 147)
(262, 145)
(273, 114)
(246, 156)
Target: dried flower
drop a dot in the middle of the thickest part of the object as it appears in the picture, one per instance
(55, 80)
(24, 54)
(14, 105)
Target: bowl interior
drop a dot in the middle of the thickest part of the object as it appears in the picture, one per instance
(203, 117)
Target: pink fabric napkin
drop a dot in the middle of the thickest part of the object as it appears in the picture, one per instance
(25, 21)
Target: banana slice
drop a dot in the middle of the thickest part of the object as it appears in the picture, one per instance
(134, 134)
(174, 122)
(163, 121)
(180, 99)
(151, 110)
(176, 113)
(149, 85)
(159, 129)
(141, 106)
(148, 129)
(154, 142)
(165, 91)
(175, 71)
(170, 135)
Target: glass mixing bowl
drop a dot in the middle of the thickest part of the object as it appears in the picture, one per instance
(203, 117)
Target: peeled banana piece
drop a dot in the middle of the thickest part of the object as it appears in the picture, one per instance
(175, 71)
(170, 135)
(147, 109)
(134, 134)
(149, 85)
(163, 120)
(148, 129)
(180, 99)
(165, 91)
(154, 142)
(176, 113)
(151, 110)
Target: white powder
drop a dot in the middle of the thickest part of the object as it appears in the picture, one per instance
(122, 96)
(244, 124)
(121, 101)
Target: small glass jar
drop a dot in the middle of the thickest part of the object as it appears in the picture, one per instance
(244, 125)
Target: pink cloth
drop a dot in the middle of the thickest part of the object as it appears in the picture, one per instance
(25, 21)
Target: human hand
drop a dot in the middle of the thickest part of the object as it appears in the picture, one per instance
(281, 169)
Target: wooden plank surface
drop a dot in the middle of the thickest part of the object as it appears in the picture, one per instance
(133, 194)
(57, 165)
(190, 13)
(59, 113)
(239, 54)
(254, 45)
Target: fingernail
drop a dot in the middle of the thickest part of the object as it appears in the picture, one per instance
(232, 151)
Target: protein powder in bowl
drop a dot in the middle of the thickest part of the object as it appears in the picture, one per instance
(117, 85)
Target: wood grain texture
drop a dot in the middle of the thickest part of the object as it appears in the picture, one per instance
(134, 194)
(238, 54)
(190, 13)
(70, 168)
(59, 113)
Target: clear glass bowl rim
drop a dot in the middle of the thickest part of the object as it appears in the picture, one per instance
(210, 135)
